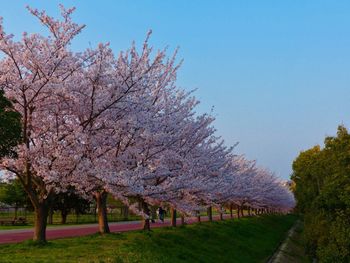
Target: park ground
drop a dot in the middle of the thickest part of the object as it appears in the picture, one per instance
(250, 239)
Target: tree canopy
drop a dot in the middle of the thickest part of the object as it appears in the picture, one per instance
(322, 178)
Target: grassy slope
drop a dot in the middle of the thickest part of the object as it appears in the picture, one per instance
(245, 240)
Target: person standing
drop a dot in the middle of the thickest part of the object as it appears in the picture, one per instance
(161, 213)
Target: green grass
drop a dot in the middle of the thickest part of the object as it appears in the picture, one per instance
(72, 219)
(10, 227)
(245, 240)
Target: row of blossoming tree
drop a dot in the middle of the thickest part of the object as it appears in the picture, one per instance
(118, 125)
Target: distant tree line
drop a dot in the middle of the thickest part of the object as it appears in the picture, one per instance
(322, 189)
(13, 195)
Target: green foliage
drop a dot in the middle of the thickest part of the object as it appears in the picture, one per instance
(68, 202)
(13, 194)
(336, 247)
(245, 240)
(322, 178)
(10, 127)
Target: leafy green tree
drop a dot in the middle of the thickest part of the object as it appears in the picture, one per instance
(322, 190)
(10, 127)
(306, 177)
(69, 202)
(13, 194)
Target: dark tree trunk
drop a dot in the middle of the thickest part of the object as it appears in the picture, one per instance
(146, 222)
(221, 214)
(231, 211)
(238, 212)
(153, 213)
(249, 212)
(125, 212)
(173, 217)
(16, 209)
(242, 211)
(41, 213)
(198, 217)
(101, 203)
(64, 214)
(50, 221)
(146, 225)
(182, 220)
(41, 210)
(210, 213)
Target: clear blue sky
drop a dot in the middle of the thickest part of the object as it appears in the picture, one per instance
(277, 72)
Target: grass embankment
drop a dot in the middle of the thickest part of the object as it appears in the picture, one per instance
(245, 240)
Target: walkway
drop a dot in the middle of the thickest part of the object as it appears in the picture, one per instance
(291, 249)
(54, 232)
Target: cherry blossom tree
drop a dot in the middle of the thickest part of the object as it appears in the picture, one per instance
(32, 73)
(118, 124)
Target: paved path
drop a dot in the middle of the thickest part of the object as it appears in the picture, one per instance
(52, 232)
(291, 249)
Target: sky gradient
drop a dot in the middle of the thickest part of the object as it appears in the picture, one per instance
(276, 72)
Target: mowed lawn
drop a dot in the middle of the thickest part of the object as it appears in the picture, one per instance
(244, 240)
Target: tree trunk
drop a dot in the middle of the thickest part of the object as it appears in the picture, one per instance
(182, 220)
(41, 213)
(16, 209)
(249, 212)
(238, 212)
(231, 211)
(153, 213)
(173, 217)
(198, 216)
(242, 211)
(125, 212)
(210, 213)
(50, 221)
(64, 217)
(221, 214)
(145, 223)
(101, 203)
